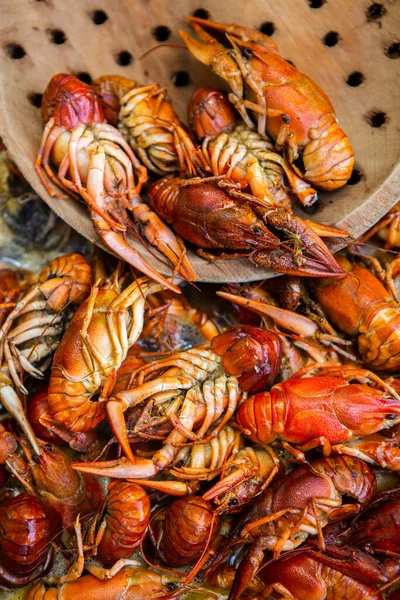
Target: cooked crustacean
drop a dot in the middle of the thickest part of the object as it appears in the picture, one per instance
(286, 104)
(94, 162)
(33, 329)
(300, 504)
(216, 218)
(243, 154)
(147, 120)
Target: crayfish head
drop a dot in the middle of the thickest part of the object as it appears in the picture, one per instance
(70, 102)
(210, 112)
(250, 353)
(110, 89)
(53, 472)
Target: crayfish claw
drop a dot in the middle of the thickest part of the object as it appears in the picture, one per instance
(310, 256)
(214, 55)
(285, 262)
(121, 468)
(123, 250)
(243, 34)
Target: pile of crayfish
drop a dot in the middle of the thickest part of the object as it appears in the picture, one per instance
(155, 445)
(226, 185)
(164, 440)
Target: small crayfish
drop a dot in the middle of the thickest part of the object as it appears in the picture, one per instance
(287, 104)
(147, 120)
(32, 330)
(243, 154)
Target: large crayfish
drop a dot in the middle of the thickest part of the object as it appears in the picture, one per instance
(94, 346)
(287, 104)
(320, 410)
(211, 218)
(95, 162)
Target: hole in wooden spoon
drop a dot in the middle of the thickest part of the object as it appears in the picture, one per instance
(35, 99)
(375, 11)
(161, 33)
(98, 17)
(268, 28)
(201, 13)
(393, 51)
(331, 38)
(15, 51)
(180, 78)
(124, 58)
(376, 118)
(355, 79)
(57, 36)
(355, 177)
(84, 76)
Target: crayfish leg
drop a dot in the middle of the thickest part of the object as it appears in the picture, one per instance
(247, 569)
(117, 421)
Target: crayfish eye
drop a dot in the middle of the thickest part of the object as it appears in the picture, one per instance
(233, 502)
(35, 459)
(48, 447)
(170, 587)
(247, 53)
(257, 230)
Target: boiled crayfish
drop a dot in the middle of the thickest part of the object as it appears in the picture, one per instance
(213, 218)
(287, 104)
(244, 154)
(300, 504)
(32, 330)
(95, 344)
(147, 120)
(95, 163)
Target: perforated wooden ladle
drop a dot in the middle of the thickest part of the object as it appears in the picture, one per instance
(351, 49)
